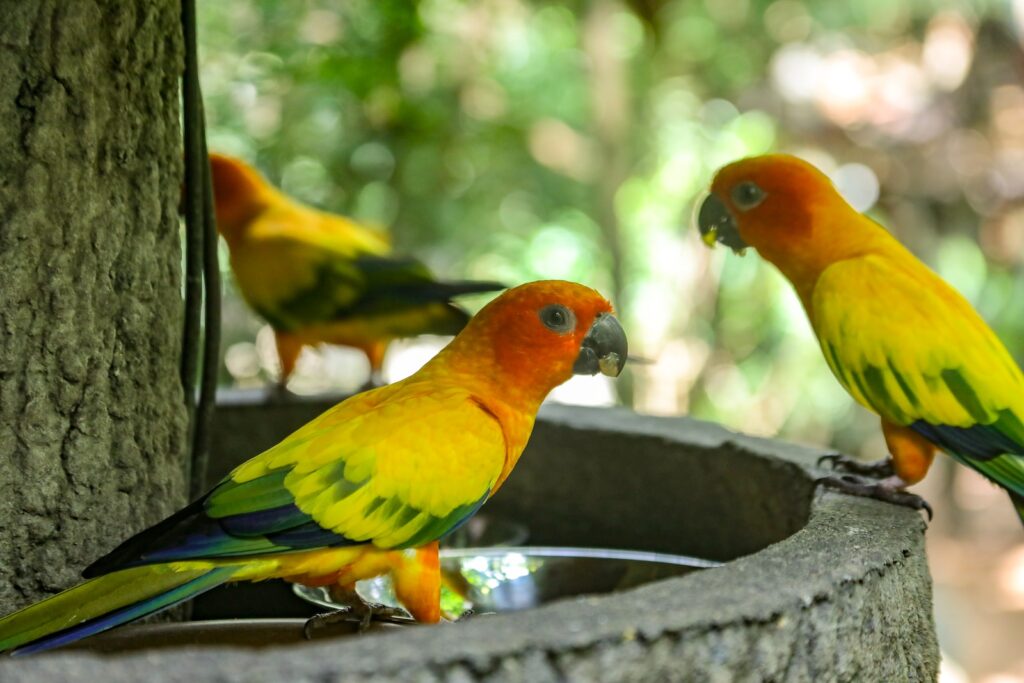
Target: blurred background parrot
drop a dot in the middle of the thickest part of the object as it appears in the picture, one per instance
(368, 487)
(322, 278)
(898, 338)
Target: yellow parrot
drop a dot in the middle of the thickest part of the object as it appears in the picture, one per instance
(319, 278)
(367, 488)
(898, 338)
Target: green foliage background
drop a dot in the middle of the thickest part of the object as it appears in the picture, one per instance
(517, 140)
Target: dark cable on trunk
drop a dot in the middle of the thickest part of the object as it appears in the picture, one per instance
(202, 270)
(211, 337)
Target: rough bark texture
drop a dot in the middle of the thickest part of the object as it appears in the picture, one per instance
(92, 422)
(820, 586)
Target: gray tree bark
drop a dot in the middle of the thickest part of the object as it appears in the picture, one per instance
(92, 418)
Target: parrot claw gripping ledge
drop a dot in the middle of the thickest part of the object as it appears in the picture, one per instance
(363, 613)
(879, 469)
(367, 488)
(889, 492)
(901, 341)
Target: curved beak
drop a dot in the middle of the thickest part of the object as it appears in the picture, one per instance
(716, 224)
(604, 348)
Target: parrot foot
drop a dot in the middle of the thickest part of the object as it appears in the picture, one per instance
(879, 469)
(363, 615)
(889, 490)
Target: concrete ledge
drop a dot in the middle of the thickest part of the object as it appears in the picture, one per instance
(821, 586)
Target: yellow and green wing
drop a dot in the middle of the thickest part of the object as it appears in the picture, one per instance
(298, 266)
(299, 274)
(909, 347)
(395, 467)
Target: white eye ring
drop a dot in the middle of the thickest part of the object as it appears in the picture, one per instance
(558, 318)
(747, 195)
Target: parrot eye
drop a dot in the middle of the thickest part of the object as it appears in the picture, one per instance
(558, 318)
(747, 195)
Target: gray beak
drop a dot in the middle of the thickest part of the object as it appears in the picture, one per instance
(603, 349)
(717, 225)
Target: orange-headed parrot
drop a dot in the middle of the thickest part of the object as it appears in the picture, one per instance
(367, 488)
(321, 278)
(899, 339)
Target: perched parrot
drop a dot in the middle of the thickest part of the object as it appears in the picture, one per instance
(321, 278)
(899, 339)
(368, 487)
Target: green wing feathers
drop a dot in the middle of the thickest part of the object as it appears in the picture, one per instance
(383, 487)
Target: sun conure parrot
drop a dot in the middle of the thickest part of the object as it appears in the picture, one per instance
(899, 339)
(368, 487)
(321, 278)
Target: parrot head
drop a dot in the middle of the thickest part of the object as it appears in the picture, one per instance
(238, 191)
(541, 333)
(766, 202)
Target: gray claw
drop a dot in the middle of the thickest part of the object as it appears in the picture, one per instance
(856, 486)
(880, 469)
(363, 616)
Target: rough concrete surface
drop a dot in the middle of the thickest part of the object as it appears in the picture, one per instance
(840, 593)
(92, 421)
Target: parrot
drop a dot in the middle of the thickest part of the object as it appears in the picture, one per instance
(368, 488)
(322, 278)
(899, 339)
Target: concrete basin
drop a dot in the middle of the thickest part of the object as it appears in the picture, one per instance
(816, 586)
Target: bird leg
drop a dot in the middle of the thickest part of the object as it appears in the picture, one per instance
(289, 347)
(878, 469)
(886, 479)
(889, 490)
(375, 355)
(356, 610)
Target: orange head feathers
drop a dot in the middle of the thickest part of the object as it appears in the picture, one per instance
(239, 192)
(786, 209)
(536, 336)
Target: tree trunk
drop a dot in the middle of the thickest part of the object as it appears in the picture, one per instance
(92, 418)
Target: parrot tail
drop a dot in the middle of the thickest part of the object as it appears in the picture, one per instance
(434, 311)
(449, 289)
(105, 602)
(1018, 503)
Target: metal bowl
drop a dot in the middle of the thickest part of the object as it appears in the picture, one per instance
(505, 579)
